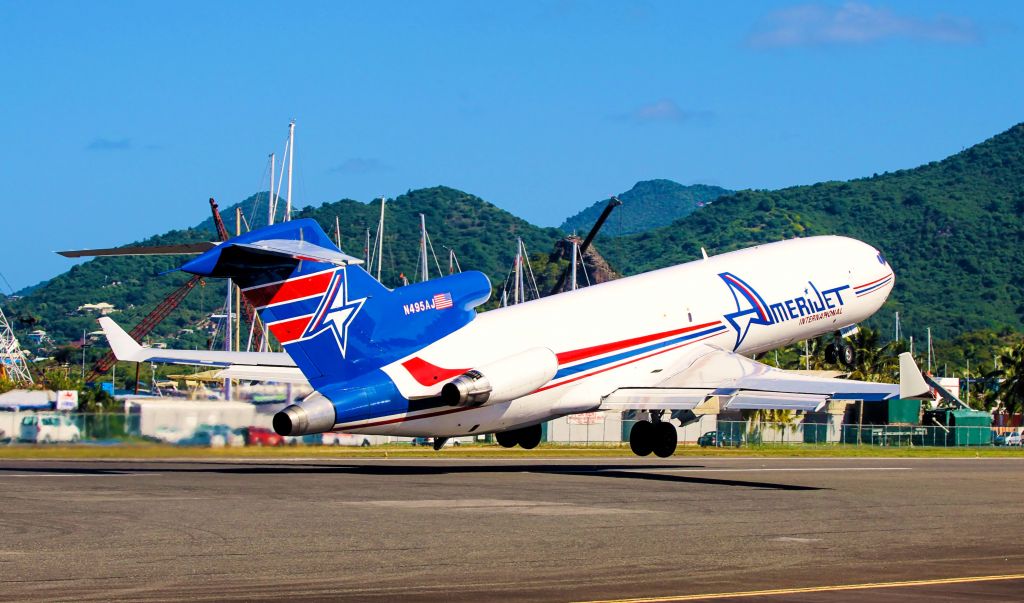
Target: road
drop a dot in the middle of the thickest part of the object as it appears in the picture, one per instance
(544, 530)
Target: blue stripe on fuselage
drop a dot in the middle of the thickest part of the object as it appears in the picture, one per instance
(572, 370)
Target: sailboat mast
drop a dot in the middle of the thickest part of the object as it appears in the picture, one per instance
(380, 236)
(366, 250)
(424, 270)
(272, 201)
(337, 231)
(518, 272)
(291, 161)
(575, 251)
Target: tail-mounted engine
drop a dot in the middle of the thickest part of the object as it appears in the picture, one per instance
(503, 380)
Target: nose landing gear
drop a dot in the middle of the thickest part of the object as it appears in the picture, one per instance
(839, 351)
(657, 436)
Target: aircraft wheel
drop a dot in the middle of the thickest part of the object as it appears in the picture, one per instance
(507, 439)
(665, 439)
(529, 437)
(847, 355)
(641, 438)
(831, 354)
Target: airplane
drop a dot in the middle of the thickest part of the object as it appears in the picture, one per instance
(420, 361)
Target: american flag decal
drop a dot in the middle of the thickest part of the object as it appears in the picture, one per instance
(442, 301)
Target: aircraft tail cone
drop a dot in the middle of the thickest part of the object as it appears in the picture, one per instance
(312, 415)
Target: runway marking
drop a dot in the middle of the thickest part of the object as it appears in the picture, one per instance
(816, 589)
(795, 539)
(3, 475)
(738, 470)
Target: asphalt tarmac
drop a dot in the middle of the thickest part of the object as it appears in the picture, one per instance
(544, 530)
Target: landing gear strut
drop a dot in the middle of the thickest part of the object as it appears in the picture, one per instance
(657, 436)
(527, 437)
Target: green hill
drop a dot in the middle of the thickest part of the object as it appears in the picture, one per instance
(649, 204)
(952, 229)
(482, 235)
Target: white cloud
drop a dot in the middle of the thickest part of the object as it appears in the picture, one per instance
(855, 23)
(664, 110)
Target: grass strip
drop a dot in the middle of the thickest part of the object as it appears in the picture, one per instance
(144, 451)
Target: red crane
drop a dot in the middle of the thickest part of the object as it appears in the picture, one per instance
(250, 312)
(172, 301)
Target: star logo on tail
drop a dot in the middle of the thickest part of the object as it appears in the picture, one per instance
(336, 312)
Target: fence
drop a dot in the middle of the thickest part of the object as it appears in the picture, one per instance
(708, 431)
(589, 429)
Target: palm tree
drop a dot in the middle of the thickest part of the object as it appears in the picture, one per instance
(1010, 377)
(878, 363)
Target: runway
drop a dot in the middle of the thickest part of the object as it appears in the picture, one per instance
(544, 530)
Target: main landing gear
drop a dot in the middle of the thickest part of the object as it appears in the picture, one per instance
(839, 351)
(527, 437)
(655, 436)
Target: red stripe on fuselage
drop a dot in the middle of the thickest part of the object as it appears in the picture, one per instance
(873, 282)
(406, 418)
(289, 330)
(624, 363)
(289, 290)
(597, 350)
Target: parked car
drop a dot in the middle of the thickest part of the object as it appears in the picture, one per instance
(332, 438)
(998, 439)
(49, 428)
(204, 436)
(231, 437)
(719, 438)
(1013, 439)
(260, 436)
(170, 435)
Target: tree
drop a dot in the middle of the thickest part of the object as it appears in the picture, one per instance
(1010, 376)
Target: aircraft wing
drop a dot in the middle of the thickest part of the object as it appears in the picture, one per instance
(740, 383)
(257, 366)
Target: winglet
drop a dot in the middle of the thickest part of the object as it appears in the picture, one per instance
(121, 343)
(912, 384)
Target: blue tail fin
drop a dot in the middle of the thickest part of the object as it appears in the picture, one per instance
(336, 321)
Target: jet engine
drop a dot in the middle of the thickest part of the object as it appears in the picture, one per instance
(503, 380)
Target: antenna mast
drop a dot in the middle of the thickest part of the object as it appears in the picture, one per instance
(13, 365)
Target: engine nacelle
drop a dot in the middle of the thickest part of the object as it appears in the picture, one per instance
(503, 380)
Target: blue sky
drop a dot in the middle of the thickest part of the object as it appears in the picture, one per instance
(121, 118)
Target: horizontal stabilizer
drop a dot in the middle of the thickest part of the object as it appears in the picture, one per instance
(912, 384)
(183, 249)
(301, 250)
(127, 349)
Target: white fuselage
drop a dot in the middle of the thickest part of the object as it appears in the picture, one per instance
(630, 332)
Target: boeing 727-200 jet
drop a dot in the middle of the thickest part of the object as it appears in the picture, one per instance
(419, 361)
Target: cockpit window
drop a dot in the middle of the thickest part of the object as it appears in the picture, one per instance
(881, 258)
